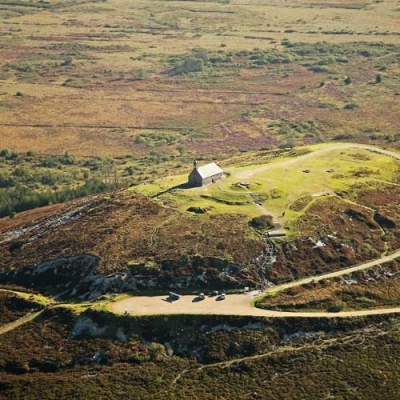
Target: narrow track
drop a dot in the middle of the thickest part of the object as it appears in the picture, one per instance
(21, 321)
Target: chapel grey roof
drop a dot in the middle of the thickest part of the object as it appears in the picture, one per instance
(209, 170)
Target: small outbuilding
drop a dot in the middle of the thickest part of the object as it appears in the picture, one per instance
(204, 175)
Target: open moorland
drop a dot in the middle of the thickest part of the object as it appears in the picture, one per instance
(112, 92)
(99, 355)
(338, 207)
(113, 78)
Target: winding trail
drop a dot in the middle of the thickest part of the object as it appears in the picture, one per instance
(348, 339)
(241, 304)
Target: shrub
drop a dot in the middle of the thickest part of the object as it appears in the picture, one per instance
(344, 136)
(262, 222)
(50, 162)
(6, 181)
(318, 68)
(5, 153)
(347, 81)
(351, 106)
(141, 74)
(189, 64)
(197, 210)
(69, 61)
(337, 306)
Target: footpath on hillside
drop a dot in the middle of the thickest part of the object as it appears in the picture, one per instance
(21, 321)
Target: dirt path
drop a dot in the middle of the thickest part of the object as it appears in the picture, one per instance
(21, 321)
(240, 304)
(279, 350)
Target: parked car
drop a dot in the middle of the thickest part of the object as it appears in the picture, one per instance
(174, 296)
(222, 296)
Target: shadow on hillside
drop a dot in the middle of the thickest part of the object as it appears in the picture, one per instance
(171, 189)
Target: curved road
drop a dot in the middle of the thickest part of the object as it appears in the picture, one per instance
(241, 304)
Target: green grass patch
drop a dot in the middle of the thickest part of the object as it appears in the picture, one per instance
(285, 185)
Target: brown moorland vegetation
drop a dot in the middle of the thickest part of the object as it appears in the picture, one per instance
(13, 307)
(124, 227)
(373, 288)
(214, 357)
(156, 83)
(126, 233)
(333, 234)
(113, 78)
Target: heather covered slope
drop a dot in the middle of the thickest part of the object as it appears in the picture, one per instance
(97, 355)
(121, 227)
(123, 240)
(125, 234)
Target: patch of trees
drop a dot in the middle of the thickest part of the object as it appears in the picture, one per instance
(23, 198)
(193, 62)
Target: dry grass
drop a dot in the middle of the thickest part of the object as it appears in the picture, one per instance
(96, 105)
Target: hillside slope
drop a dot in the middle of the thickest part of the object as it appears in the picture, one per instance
(130, 240)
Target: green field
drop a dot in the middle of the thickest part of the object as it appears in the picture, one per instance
(285, 185)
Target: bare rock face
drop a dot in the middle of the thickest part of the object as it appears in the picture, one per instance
(63, 275)
(86, 326)
(68, 276)
(77, 276)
